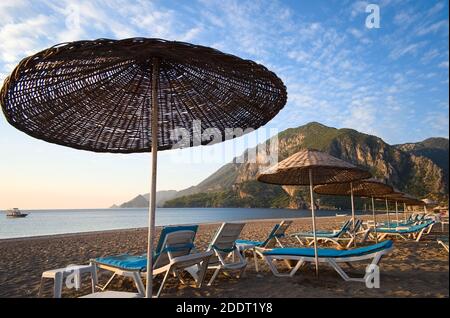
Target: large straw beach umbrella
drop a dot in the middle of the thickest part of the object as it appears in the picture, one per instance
(312, 167)
(361, 188)
(131, 95)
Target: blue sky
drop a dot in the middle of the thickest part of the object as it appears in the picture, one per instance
(391, 81)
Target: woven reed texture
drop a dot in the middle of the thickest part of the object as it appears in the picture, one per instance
(408, 199)
(364, 188)
(326, 169)
(96, 95)
(396, 195)
(430, 202)
(400, 197)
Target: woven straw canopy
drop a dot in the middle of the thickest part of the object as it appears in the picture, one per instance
(363, 188)
(429, 202)
(96, 95)
(325, 168)
(410, 200)
(396, 195)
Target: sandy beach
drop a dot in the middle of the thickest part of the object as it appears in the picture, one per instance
(411, 270)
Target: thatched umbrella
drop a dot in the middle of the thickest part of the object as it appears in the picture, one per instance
(396, 197)
(362, 188)
(428, 203)
(312, 167)
(390, 198)
(408, 199)
(134, 95)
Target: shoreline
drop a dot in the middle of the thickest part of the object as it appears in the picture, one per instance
(134, 229)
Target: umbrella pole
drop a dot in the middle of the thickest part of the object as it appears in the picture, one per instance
(374, 220)
(387, 212)
(353, 213)
(396, 212)
(313, 221)
(153, 171)
(404, 212)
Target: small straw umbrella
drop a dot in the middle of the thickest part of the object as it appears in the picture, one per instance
(362, 188)
(387, 199)
(408, 199)
(312, 167)
(133, 95)
(396, 196)
(428, 203)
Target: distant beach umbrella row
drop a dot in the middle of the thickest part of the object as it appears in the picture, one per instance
(310, 167)
(364, 188)
(333, 176)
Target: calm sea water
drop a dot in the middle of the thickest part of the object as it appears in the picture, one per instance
(48, 222)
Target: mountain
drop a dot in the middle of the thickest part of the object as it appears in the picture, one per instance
(420, 169)
(141, 201)
(435, 149)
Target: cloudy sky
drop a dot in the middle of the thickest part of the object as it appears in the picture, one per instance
(390, 81)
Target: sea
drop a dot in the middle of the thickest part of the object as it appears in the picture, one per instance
(51, 222)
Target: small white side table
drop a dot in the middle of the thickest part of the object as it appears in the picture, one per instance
(59, 274)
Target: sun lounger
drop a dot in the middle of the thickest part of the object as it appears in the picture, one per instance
(272, 240)
(173, 254)
(413, 231)
(412, 220)
(326, 255)
(444, 243)
(278, 231)
(226, 256)
(344, 235)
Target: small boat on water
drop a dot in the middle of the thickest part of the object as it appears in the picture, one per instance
(15, 213)
(341, 214)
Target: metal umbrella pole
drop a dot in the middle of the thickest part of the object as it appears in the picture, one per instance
(387, 212)
(316, 257)
(353, 213)
(154, 164)
(404, 212)
(374, 220)
(396, 212)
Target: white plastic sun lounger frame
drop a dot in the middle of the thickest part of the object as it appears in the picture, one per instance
(271, 242)
(340, 239)
(225, 251)
(406, 236)
(332, 261)
(168, 262)
(224, 247)
(444, 244)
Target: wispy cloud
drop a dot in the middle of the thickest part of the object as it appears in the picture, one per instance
(410, 49)
(443, 64)
(432, 28)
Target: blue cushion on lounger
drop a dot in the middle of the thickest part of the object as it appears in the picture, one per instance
(248, 242)
(319, 234)
(139, 262)
(263, 243)
(404, 230)
(329, 252)
(125, 261)
(325, 234)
